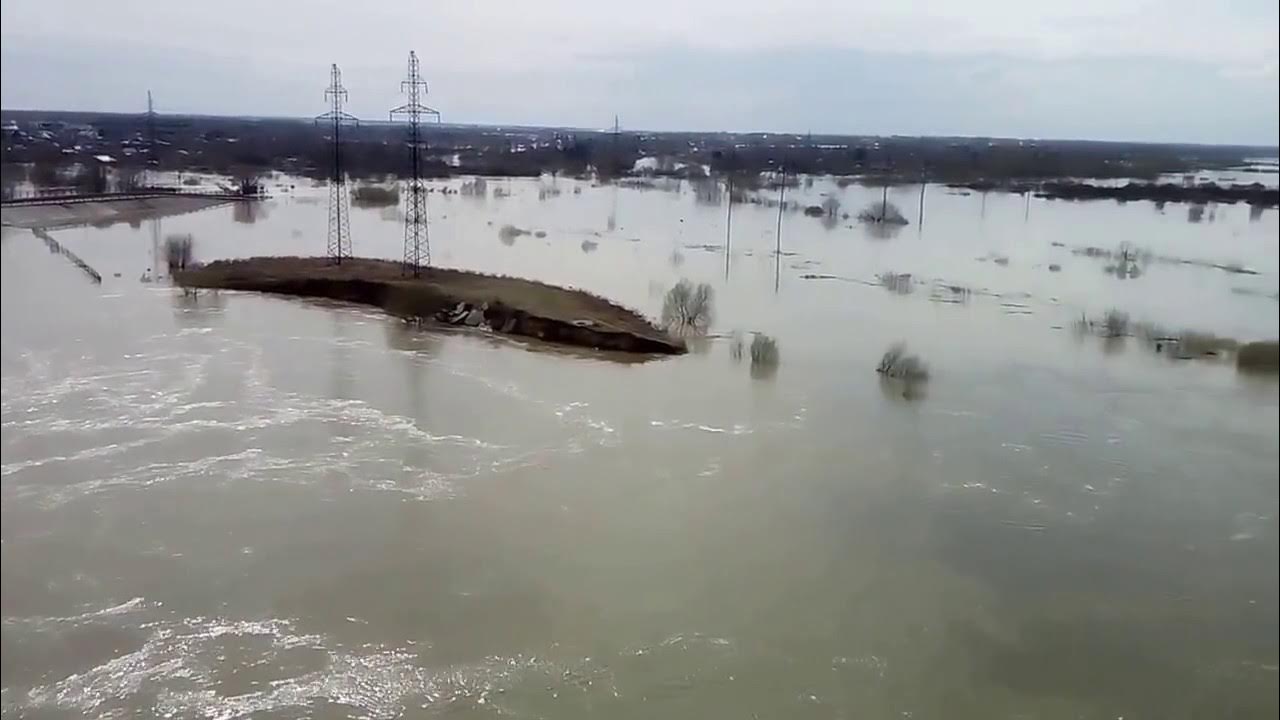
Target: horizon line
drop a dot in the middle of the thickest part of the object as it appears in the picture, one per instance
(639, 131)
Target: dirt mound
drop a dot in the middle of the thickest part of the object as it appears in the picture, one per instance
(514, 305)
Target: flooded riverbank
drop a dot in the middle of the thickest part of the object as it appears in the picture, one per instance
(238, 505)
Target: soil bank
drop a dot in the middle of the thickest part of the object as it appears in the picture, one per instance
(510, 305)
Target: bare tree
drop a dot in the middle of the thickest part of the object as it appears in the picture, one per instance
(688, 308)
(896, 363)
(882, 212)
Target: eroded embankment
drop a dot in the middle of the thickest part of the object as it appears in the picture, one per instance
(507, 305)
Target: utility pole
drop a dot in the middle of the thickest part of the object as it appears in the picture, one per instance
(156, 260)
(777, 250)
(417, 246)
(920, 222)
(339, 244)
(617, 130)
(152, 162)
(782, 202)
(728, 220)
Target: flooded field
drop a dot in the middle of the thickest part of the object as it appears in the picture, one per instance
(229, 505)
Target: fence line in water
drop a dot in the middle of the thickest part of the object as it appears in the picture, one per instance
(57, 247)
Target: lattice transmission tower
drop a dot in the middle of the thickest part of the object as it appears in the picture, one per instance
(339, 246)
(417, 246)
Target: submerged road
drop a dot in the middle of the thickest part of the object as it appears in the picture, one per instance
(50, 213)
(108, 197)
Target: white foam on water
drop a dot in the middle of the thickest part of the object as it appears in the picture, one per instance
(158, 402)
(179, 669)
(40, 623)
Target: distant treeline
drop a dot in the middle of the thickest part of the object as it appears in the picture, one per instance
(1254, 194)
(245, 146)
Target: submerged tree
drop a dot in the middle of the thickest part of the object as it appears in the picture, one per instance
(375, 196)
(508, 234)
(688, 307)
(1115, 323)
(179, 252)
(735, 346)
(897, 363)
(882, 212)
(476, 187)
(708, 191)
(764, 356)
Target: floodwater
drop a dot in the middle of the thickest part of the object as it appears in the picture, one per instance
(232, 505)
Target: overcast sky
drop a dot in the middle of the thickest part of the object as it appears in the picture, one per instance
(1202, 71)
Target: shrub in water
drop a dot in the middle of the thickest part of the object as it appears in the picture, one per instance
(764, 357)
(1115, 323)
(687, 307)
(764, 352)
(369, 196)
(897, 363)
(179, 252)
(882, 212)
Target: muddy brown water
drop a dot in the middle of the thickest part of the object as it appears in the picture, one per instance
(232, 505)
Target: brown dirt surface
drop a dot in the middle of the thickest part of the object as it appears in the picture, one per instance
(553, 313)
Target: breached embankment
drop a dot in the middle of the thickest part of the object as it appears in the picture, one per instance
(507, 305)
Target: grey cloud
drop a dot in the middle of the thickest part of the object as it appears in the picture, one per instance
(564, 67)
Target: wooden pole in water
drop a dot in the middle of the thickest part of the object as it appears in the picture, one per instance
(782, 199)
(884, 201)
(728, 223)
(777, 249)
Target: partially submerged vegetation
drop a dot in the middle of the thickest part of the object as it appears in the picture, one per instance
(735, 346)
(688, 308)
(507, 305)
(179, 252)
(765, 356)
(375, 196)
(1111, 324)
(882, 212)
(508, 234)
(475, 187)
(898, 364)
(1115, 325)
(902, 375)
(894, 282)
(1127, 261)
